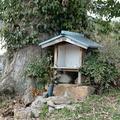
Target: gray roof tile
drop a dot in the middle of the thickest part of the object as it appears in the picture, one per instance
(75, 37)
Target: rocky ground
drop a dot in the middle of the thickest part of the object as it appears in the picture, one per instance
(29, 109)
(14, 110)
(95, 107)
(6, 109)
(104, 107)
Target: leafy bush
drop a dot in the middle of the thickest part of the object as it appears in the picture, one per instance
(40, 69)
(28, 22)
(99, 72)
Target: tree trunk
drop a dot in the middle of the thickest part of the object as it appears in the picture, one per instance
(13, 79)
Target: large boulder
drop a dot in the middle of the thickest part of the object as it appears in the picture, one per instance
(22, 114)
(30, 113)
(13, 78)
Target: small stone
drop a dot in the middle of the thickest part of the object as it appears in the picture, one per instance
(39, 101)
(62, 100)
(51, 109)
(65, 79)
(50, 103)
(60, 106)
(45, 94)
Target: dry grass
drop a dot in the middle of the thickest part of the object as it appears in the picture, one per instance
(95, 107)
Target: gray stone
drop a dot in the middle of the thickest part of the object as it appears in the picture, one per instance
(37, 105)
(34, 110)
(50, 103)
(38, 102)
(60, 106)
(45, 94)
(59, 100)
(28, 96)
(62, 100)
(1, 67)
(58, 103)
(7, 86)
(22, 113)
(51, 109)
(65, 79)
(30, 112)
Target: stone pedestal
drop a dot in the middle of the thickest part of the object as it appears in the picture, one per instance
(74, 91)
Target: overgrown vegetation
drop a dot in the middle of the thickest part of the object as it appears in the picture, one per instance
(40, 70)
(102, 68)
(106, 8)
(27, 22)
(31, 21)
(95, 107)
(100, 72)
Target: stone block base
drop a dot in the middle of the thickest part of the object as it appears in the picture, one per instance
(74, 91)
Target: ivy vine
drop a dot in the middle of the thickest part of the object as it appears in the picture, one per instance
(26, 21)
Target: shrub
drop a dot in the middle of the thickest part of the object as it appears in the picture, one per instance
(40, 70)
(99, 72)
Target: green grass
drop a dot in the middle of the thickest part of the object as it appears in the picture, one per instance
(95, 107)
(44, 112)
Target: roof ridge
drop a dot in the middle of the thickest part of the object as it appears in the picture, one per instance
(75, 37)
(64, 32)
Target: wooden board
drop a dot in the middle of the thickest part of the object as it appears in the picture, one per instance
(73, 56)
(69, 56)
(61, 55)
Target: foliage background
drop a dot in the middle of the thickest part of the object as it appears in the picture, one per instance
(27, 21)
(31, 21)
